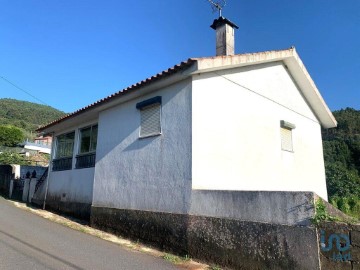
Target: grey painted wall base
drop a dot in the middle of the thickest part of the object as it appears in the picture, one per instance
(286, 208)
(75, 209)
(277, 207)
(224, 241)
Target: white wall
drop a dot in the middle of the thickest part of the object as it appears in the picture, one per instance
(151, 173)
(236, 140)
(75, 185)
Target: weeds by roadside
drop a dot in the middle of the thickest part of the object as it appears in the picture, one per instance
(176, 259)
(321, 214)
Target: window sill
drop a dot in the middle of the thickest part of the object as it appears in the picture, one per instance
(85, 154)
(150, 135)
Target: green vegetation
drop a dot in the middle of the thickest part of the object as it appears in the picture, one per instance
(342, 161)
(12, 158)
(321, 213)
(25, 115)
(18, 121)
(10, 136)
(349, 205)
(175, 259)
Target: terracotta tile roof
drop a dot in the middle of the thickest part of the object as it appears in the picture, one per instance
(152, 79)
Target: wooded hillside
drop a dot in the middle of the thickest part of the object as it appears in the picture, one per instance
(342, 161)
(18, 121)
(26, 115)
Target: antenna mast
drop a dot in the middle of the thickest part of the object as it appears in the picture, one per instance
(217, 5)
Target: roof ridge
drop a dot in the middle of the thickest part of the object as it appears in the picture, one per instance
(292, 48)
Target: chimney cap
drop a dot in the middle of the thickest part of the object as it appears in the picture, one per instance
(221, 21)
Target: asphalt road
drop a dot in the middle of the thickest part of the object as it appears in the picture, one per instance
(28, 241)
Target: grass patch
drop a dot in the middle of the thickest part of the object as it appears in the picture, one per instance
(172, 258)
(348, 205)
(176, 259)
(214, 267)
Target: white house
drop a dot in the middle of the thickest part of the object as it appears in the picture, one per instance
(245, 123)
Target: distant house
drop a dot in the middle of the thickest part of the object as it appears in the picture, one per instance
(41, 144)
(247, 122)
(43, 140)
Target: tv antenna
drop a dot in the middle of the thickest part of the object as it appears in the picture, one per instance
(217, 5)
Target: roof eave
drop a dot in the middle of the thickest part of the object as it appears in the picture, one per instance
(163, 79)
(310, 91)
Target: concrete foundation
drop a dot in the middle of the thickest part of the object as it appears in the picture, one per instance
(75, 209)
(228, 242)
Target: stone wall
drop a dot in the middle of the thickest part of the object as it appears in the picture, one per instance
(28, 169)
(228, 242)
(17, 173)
(330, 256)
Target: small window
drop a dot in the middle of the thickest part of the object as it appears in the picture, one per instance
(286, 136)
(150, 113)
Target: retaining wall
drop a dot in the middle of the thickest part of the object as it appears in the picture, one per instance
(238, 229)
(228, 242)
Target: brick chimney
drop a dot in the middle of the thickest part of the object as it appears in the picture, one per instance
(225, 37)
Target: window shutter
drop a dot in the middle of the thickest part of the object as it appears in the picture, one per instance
(286, 139)
(150, 120)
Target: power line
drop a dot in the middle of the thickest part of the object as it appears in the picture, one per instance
(9, 82)
(263, 96)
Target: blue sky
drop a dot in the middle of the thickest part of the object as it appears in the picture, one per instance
(71, 53)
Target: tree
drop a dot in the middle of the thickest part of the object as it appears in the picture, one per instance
(10, 136)
(342, 161)
(342, 182)
(7, 158)
(338, 151)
